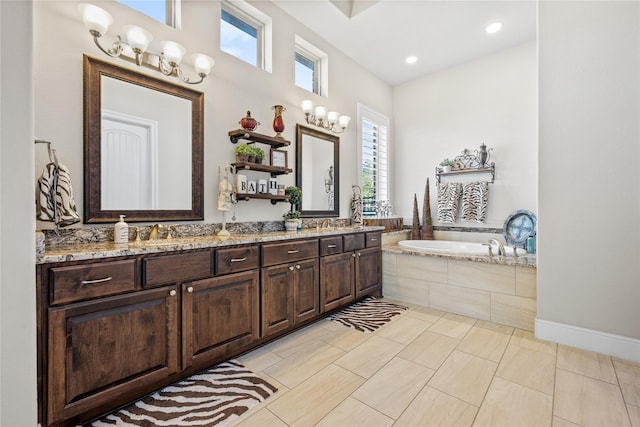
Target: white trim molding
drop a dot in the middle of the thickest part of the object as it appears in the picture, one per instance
(588, 339)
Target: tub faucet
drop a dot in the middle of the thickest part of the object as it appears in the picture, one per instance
(153, 235)
(501, 250)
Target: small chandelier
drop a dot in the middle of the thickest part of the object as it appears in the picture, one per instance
(324, 120)
(136, 41)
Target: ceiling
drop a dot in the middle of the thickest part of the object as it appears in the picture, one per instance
(379, 35)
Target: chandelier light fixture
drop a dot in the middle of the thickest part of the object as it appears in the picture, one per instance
(133, 46)
(331, 121)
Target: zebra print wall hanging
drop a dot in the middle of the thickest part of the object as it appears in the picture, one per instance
(214, 397)
(367, 315)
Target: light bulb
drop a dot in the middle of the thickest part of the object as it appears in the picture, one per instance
(137, 37)
(172, 51)
(307, 106)
(95, 18)
(202, 63)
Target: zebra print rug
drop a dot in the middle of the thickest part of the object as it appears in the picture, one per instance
(214, 397)
(367, 315)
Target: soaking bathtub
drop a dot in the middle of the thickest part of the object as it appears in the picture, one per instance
(457, 248)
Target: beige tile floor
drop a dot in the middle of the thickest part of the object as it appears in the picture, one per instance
(431, 368)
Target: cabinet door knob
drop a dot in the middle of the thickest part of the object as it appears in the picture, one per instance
(298, 267)
(190, 289)
(173, 292)
(353, 255)
(291, 268)
(359, 254)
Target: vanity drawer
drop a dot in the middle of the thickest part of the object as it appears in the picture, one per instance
(282, 253)
(353, 242)
(167, 269)
(236, 259)
(92, 280)
(374, 239)
(330, 245)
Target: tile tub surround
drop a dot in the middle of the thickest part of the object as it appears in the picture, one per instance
(500, 290)
(83, 251)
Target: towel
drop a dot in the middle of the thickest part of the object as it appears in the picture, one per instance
(474, 201)
(448, 196)
(54, 196)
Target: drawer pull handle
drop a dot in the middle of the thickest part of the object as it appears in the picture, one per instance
(294, 251)
(238, 259)
(291, 268)
(298, 267)
(373, 239)
(332, 246)
(173, 292)
(190, 289)
(92, 282)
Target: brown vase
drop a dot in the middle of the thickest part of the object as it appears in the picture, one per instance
(278, 122)
(248, 122)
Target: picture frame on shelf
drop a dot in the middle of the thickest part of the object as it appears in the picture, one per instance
(279, 158)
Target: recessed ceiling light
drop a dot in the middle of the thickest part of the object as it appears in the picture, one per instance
(494, 27)
(411, 59)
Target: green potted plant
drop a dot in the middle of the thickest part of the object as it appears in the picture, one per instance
(446, 165)
(244, 153)
(292, 218)
(258, 153)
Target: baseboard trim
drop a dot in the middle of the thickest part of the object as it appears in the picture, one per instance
(589, 339)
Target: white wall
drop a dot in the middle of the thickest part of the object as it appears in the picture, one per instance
(17, 220)
(491, 100)
(232, 88)
(589, 245)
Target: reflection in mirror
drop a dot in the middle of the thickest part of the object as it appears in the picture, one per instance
(143, 146)
(317, 172)
(140, 139)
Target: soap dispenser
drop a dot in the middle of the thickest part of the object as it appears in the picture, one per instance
(121, 231)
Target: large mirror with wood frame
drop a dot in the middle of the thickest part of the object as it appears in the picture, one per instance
(318, 172)
(143, 146)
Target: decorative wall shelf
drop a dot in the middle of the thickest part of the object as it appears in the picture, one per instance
(271, 197)
(467, 163)
(252, 137)
(469, 171)
(273, 170)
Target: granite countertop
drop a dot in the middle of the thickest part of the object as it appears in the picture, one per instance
(528, 260)
(83, 251)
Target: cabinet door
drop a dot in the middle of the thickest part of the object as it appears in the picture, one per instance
(368, 271)
(219, 316)
(277, 298)
(103, 351)
(306, 290)
(337, 280)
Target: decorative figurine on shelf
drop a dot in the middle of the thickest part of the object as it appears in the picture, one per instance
(225, 194)
(356, 205)
(248, 122)
(278, 122)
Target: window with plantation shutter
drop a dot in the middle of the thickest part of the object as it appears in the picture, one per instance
(374, 159)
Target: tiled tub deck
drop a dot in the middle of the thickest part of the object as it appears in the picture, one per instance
(500, 291)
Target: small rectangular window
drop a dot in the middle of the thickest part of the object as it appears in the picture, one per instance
(311, 67)
(165, 11)
(245, 33)
(374, 157)
(306, 73)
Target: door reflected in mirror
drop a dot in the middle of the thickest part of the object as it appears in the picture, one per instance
(317, 168)
(139, 140)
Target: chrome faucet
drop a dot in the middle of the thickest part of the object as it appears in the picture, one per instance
(326, 222)
(501, 250)
(153, 235)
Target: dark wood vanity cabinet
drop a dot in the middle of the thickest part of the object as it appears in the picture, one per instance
(100, 351)
(219, 316)
(352, 274)
(290, 285)
(112, 330)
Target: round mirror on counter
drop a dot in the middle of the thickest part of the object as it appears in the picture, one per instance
(518, 227)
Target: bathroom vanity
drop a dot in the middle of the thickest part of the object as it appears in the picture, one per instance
(117, 323)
